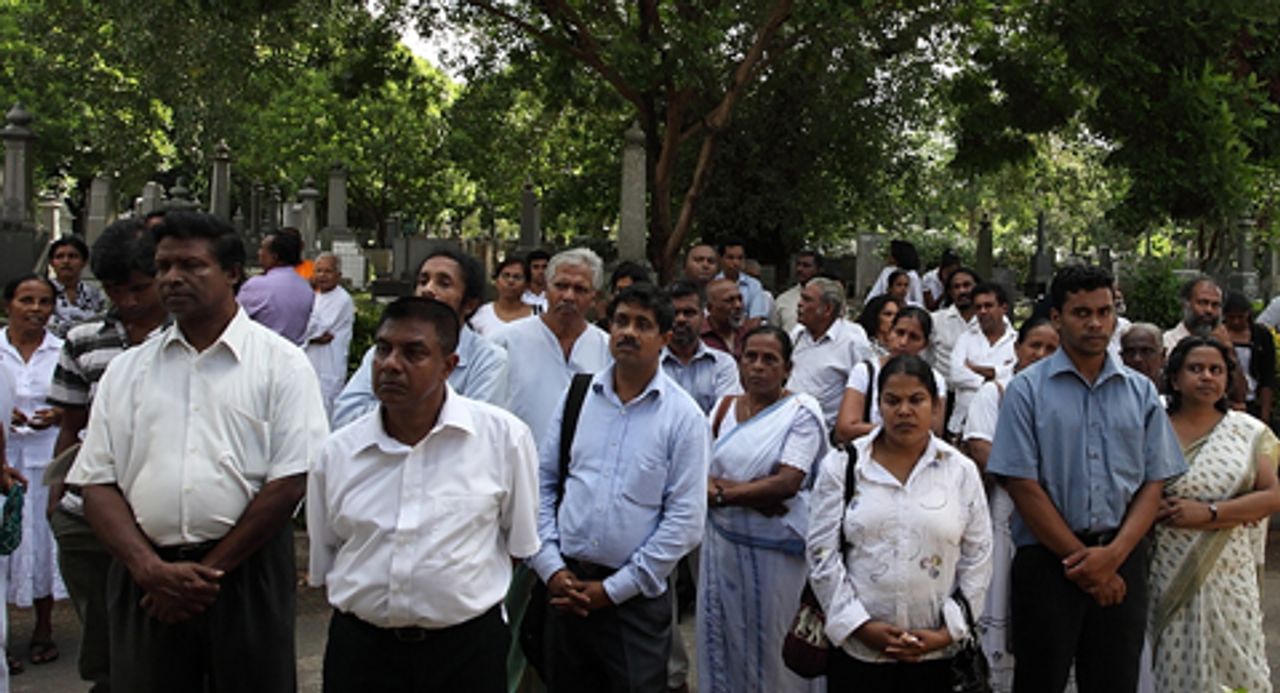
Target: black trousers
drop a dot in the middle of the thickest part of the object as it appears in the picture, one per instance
(243, 643)
(619, 649)
(845, 673)
(1056, 624)
(470, 657)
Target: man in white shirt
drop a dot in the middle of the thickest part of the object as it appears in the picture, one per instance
(826, 346)
(198, 444)
(951, 322)
(984, 352)
(786, 309)
(1201, 311)
(416, 550)
(333, 318)
(536, 294)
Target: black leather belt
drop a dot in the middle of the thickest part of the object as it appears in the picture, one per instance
(586, 570)
(1096, 538)
(185, 552)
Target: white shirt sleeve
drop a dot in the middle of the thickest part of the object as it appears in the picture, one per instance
(320, 535)
(803, 442)
(1270, 316)
(983, 412)
(519, 514)
(963, 377)
(827, 574)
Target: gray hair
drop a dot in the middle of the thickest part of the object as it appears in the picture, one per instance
(578, 257)
(1150, 329)
(832, 293)
(326, 255)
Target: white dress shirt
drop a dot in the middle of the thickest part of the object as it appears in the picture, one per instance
(786, 309)
(539, 376)
(909, 545)
(973, 346)
(820, 367)
(931, 284)
(334, 313)
(860, 379)
(30, 448)
(948, 325)
(191, 437)
(915, 294)
(1171, 337)
(423, 535)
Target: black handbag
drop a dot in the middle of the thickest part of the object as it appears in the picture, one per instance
(970, 671)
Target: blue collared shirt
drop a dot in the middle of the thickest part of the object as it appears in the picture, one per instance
(754, 301)
(636, 495)
(709, 375)
(1091, 446)
(481, 374)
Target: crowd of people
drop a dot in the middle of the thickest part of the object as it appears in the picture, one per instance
(503, 495)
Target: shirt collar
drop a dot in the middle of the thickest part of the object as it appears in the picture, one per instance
(233, 337)
(702, 352)
(602, 384)
(50, 341)
(1058, 362)
(453, 414)
(833, 333)
(933, 454)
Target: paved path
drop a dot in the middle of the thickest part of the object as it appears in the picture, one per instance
(313, 620)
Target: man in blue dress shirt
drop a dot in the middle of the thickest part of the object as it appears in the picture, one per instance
(633, 503)
(1084, 447)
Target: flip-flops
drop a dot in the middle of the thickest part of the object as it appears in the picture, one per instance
(42, 651)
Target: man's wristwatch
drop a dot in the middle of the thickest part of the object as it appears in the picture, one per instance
(1213, 512)
(719, 496)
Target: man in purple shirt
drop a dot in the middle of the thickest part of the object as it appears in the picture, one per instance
(279, 297)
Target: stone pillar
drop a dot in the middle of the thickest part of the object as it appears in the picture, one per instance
(220, 182)
(1042, 261)
(336, 219)
(982, 260)
(102, 207)
(237, 221)
(180, 198)
(631, 225)
(291, 215)
(18, 242)
(1245, 278)
(308, 221)
(275, 210)
(152, 198)
(530, 234)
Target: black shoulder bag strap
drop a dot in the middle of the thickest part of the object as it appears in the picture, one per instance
(850, 485)
(866, 403)
(569, 426)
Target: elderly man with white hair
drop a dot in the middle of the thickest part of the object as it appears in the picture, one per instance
(826, 346)
(333, 318)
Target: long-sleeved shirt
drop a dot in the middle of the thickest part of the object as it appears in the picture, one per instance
(948, 325)
(635, 498)
(280, 299)
(974, 347)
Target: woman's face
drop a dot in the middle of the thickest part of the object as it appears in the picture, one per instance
(1202, 379)
(31, 305)
(901, 284)
(907, 409)
(763, 367)
(907, 337)
(511, 281)
(67, 263)
(887, 315)
(1040, 342)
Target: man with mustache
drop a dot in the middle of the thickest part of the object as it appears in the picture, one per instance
(726, 317)
(951, 322)
(631, 503)
(706, 374)
(984, 352)
(398, 527)
(827, 346)
(1201, 311)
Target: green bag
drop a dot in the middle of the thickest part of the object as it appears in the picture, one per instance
(11, 524)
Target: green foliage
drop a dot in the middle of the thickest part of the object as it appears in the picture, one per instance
(1151, 292)
(368, 312)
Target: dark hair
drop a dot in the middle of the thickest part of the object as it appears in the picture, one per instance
(123, 248)
(1179, 356)
(1075, 278)
(286, 247)
(429, 310)
(949, 258)
(11, 289)
(1030, 324)
(784, 340)
(683, 287)
(1236, 302)
(225, 245)
(731, 243)
(508, 262)
(536, 254)
(1184, 291)
(973, 274)
(647, 297)
(904, 254)
(869, 318)
(906, 364)
(1002, 296)
(817, 256)
(634, 270)
(921, 316)
(74, 242)
(472, 271)
(893, 277)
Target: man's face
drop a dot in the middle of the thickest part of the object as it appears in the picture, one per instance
(961, 287)
(326, 274)
(1236, 322)
(635, 339)
(135, 297)
(687, 328)
(806, 268)
(724, 304)
(989, 311)
(191, 282)
(813, 313)
(1086, 321)
(266, 258)
(1203, 310)
(409, 367)
(570, 291)
(538, 272)
(1141, 351)
(701, 264)
(441, 278)
(732, 260)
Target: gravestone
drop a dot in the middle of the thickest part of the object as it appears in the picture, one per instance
(291, 216)
(336, 220)
(870, 262)
(982, 258)
(271, 219)
(180, 198)
(631, 225)
(18, 241)
(220, 182)
(152, 198)
(308, 221)
(102, 207)
(1245, 278)
(530, 233)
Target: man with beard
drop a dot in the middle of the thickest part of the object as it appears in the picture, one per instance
(951, 322)
(725, 317)
(984, 352)
(706, 374)
(786, 309)
(1201, 311)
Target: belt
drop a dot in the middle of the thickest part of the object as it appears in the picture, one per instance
(415, 634)
(1096, 538)
(586, 570)
(185, 552)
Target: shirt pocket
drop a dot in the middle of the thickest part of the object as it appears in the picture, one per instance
(247, 441)
(645, 483)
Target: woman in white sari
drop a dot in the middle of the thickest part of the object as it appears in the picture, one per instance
(767, 442)
(1205, 612)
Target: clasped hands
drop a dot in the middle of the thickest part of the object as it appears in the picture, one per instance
(1093, 569)
(578, 597)
(39, 420)
(899, 643)
(178, 591)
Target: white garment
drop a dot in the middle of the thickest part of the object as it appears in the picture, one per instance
(6, 404)
(191, 437)
(1270, 316)
(910, 545)
(33, 566)
(334, 313)
(915, 294)
(931, 284)
(1122, 325)
(786, 309)
(405, 535)
(1172, 336)
(540, 374)
(538, 301)
(486, 323)
(974, 347)
(948, 325)
(860, 379)
(820, 367)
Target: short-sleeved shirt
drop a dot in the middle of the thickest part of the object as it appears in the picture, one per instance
(1090, 445)
(89, 304)
(86, 352)
(820, 367)
(708, 376)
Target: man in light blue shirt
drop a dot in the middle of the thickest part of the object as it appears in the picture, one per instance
(1083, 447)
(633, 502)
(706, 374)
(457, 280)
(733, 257)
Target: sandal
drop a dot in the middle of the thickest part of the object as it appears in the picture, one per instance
(15, 664)
(42, 651)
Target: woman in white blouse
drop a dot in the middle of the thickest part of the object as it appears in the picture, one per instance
(887, 568)
(511, 280)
